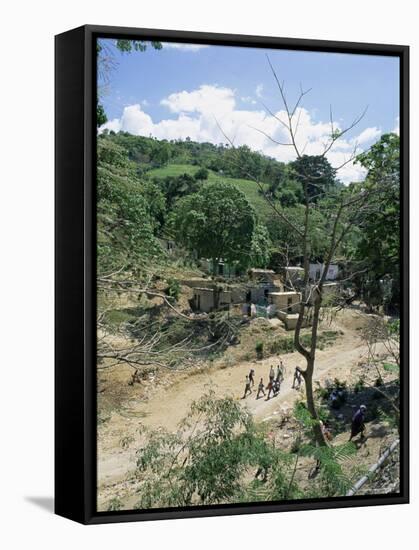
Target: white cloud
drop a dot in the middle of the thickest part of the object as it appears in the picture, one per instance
(200, 112)
(396, 129)
(248, 99)
(212, 99)
(183, 47)
(259, 90)
(369, 134)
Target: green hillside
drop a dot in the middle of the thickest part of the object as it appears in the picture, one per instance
(248, 187)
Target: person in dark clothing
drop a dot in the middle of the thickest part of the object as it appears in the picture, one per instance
(252, 377)
(261, 389)
(358, 422)
(271, 374)
(270, 388)
(279, 372)
(298, 378)
(247, 388)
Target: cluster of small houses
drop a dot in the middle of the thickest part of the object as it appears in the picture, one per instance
(264, 294)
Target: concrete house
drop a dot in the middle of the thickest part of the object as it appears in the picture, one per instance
(262, 275)
(262, 282)
(286, 306)
(287, 302)
(204, 299)
(222, 269)
(316, 271)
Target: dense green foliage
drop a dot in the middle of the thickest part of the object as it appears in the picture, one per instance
(318, 173)
(125, 234)
(217, 222)
(379, 239)
(219, 455)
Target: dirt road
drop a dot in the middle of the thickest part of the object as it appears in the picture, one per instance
(168, 406)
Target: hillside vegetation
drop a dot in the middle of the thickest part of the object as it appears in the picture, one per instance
(172, 431)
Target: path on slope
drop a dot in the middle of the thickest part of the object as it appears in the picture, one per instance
(167, 407)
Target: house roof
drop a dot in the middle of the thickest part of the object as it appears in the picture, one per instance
(261, 271)
(209, 289)
(287, 293)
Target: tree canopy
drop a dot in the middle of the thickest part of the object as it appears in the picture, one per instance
(317, 172)
(216, 222)
(379, 241)
(125, 223)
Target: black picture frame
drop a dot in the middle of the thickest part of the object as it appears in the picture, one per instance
(75, 302)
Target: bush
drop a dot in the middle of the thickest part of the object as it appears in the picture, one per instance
(114, 505)
(360, 384)
(259, 350)
(201, 174)
(286, 344)
(173, 289)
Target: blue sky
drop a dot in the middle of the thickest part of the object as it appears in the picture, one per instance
(186, 90)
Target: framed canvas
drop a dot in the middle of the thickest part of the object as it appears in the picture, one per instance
(231, 274)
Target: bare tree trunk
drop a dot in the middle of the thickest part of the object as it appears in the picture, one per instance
(291, 124)
(311, 406)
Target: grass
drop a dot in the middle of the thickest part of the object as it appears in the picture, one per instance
(248, 187)
(286, 343)
(115, 317)
(390, 367)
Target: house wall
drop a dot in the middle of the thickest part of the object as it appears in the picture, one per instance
(224, 269)
(262, 275)
(290, 322)
(198, 283)
(238, 295)
(316, 270)
(204, 299)
(285, 300)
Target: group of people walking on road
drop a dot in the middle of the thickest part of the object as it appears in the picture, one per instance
(274, 387)
(275, 380)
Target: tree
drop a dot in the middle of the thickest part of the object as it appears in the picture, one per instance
(207, 460)
(377, 249)
(125, 228)
(201, 174)
(260, 250)
(176, 187)
(161, 154)
(216, 222)
(316, 174)
(339, 215)
(101, 117)
(219, 455)
(386, 333)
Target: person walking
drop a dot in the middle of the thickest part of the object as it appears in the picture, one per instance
(247, 388)
(261, 389)
(279, 372)
(298, 376)
(271, 374)
(358, 422)
(252, 377)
